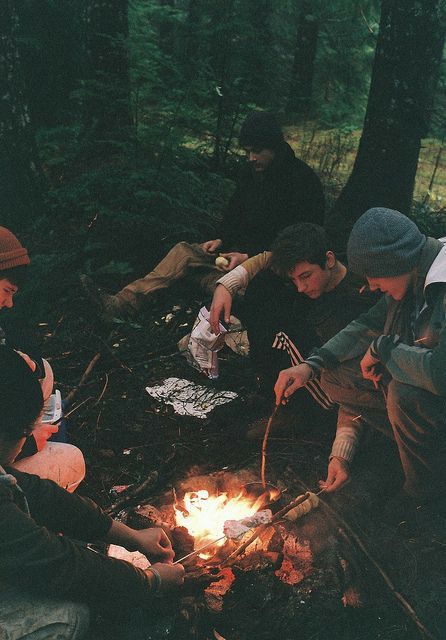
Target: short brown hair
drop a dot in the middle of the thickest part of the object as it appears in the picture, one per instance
(302, 242)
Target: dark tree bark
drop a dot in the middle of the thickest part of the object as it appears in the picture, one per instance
(405, 71)
(301, 85)
(20, 175)
(166, 29)
(221, 60)
(259, 52)
(107, 101)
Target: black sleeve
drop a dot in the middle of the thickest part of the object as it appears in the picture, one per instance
(309, 197)
(29, 448)
(34, 556)
(230, 230)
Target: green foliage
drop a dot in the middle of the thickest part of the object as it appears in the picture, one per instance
(430, 220)
(196, 67)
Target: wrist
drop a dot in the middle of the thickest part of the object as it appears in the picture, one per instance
(345, 463)
(155, 579)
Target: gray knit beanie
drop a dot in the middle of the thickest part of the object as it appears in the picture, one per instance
(384, 243)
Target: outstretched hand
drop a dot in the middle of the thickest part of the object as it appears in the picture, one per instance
(338, 474)
(371, 368)
(290, 380)
(220, 308)
(234, 259)
(171, 575)
(211, 246)
(154, 544)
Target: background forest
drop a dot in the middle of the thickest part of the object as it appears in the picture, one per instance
(120, 118)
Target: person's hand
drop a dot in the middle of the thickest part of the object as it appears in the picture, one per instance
(338, 474)
(290, 380)
(371, 368)
(235, 258)
(31, 364)
(42, 433)
(211, 246)
(220, 307)
(154, 544)
(172, 575)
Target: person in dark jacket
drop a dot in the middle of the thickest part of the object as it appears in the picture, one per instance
(274, 190)
(49, 581)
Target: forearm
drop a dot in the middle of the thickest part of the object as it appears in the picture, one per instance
(235, 280)
(241, 276)
(346, 441)
(122, 535)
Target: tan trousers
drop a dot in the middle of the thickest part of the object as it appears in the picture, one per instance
(182, 260)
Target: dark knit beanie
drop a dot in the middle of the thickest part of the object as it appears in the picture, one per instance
(261, 131)
(12, 253)
(384, 243)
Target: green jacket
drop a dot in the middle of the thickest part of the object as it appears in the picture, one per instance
(419, 359)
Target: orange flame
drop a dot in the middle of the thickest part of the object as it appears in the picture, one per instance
(205, 515)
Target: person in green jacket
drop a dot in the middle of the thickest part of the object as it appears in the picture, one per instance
(386, 369)
(49, 581)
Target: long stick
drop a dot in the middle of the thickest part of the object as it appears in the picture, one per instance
(265, 440)
(194, 553)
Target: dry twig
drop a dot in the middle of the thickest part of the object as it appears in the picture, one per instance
(132, 493)
(70, 396)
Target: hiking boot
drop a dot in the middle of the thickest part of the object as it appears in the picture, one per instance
(108, 307)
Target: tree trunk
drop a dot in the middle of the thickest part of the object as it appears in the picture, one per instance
(20, 174)
(107, 99)
(405, 71)
(301, 85)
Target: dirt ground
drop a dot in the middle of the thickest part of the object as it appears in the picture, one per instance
(398, 570)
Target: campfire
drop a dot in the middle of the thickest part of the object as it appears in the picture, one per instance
(212, 519)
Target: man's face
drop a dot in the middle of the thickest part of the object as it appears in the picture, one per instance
(259, 159)
(311, 279)
(7, 292)
(396, 286)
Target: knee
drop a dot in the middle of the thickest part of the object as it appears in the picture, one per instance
(76, 463)
(402, 399)
(75, 621)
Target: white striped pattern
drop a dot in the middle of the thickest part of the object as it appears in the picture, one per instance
(284, 343)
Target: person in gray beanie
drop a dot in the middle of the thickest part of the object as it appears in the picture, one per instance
(386, 369)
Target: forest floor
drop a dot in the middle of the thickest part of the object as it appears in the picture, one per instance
(398, 571)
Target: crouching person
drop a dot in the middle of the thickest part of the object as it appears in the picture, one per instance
(48, 581)
(58, 461)
(386, 369)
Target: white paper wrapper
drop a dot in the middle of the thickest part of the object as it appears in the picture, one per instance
(134, 557)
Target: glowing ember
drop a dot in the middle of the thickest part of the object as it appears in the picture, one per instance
(204, 515)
